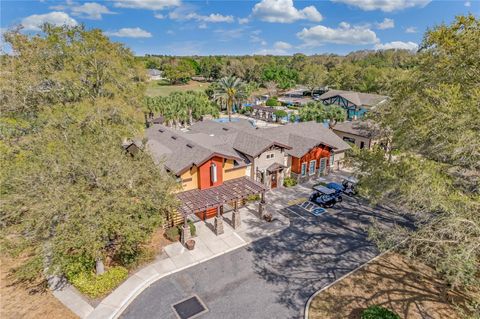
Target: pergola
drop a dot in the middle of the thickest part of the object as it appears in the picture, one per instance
(199, 200)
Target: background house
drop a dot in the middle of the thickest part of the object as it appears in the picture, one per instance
(356, 104)
(358, 133)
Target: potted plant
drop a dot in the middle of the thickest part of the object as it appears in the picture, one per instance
(268, 216)
(190, 244)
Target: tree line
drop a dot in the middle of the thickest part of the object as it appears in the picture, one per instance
(364, 71)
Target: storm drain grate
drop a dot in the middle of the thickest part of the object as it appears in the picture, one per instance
(189, 308)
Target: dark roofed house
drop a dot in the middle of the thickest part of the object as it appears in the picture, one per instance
(355, 103)
(359, 133)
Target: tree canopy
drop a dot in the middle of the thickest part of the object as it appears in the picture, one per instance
(319, 112)
(432, 164)
(69, 192)
(180, 108)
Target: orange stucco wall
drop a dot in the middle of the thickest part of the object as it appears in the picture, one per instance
(315, 153)
(204, 180)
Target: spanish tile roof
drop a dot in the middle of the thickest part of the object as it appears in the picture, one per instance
(357, 98)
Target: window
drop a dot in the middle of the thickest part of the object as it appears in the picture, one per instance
(304, 169)
(213, 173)
(349, 140)
(311, 168)
(362, 144)
(331, 159)
(270, 155)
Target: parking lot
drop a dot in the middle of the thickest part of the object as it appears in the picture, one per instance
(273, 277)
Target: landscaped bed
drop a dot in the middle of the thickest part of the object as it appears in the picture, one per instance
(410, 289)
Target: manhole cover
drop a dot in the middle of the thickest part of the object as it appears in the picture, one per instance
(189, 308)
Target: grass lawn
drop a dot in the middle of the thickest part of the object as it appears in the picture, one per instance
(163, 88)
(393, 281)
(27, 302)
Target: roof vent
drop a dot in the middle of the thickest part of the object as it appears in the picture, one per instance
(174, 137)
(161, 130)
(211, 135)
(190, 145)
(224, 128)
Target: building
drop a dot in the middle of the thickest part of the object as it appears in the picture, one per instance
(356, 104)
(315, 149)
(358, 133)
(267, 158)
(211, 174)
(154, 74)
(220, 165)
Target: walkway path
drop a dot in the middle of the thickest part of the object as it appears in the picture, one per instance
(177, 258)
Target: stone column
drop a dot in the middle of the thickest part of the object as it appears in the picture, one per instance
(185, 233)
(218, 223)
(236, 221)
(261, 205)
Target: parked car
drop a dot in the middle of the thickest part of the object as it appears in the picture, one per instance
(328, 191)
(323, 200)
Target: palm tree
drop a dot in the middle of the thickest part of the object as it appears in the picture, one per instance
(230, 90)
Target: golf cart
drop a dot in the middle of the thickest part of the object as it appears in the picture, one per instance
(324, 196)
(347, 187)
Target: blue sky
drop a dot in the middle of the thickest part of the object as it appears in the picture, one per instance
(178, 27)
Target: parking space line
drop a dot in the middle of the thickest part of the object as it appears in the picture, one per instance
(292, 211)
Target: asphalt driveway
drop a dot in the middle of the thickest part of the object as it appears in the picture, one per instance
(274, 276)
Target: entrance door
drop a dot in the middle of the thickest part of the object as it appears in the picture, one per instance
(273, 182)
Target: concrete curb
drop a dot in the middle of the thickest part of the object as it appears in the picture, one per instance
(307, 306)
(104, 310)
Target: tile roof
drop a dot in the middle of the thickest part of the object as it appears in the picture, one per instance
(357, 98)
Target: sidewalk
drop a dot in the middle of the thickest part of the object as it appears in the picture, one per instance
(176, 258)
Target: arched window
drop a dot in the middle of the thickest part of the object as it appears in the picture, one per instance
(213, 173)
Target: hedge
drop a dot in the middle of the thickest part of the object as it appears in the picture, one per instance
(96, 286)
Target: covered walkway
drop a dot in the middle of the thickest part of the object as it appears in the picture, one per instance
(229, 193)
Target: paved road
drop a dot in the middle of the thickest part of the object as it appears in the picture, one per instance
(274, 276)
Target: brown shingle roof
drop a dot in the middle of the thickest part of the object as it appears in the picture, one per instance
(360, 128)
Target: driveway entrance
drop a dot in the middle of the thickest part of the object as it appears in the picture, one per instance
(273, 277)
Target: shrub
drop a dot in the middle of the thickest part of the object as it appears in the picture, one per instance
(172, 234)
(252, 198)
(272, 102)
(377, 312)
(193, 229)
(96, 286)
(280, 114)
(289, 182)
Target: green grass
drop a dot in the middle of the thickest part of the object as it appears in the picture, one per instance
(163, 88)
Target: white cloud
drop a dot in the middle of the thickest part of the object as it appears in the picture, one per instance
(243, 20)
(385, 5)
(129, 33)
(411, 30)
(159, 16)
(283, 11)
(147, 4)
(412, 46)
(35, 21)
(227, 35)
(385, 24)
(90, 10)
(185, 13)
(344, 34)
(468, 4)
(280, 45)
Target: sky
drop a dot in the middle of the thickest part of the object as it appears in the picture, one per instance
(225, 27)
